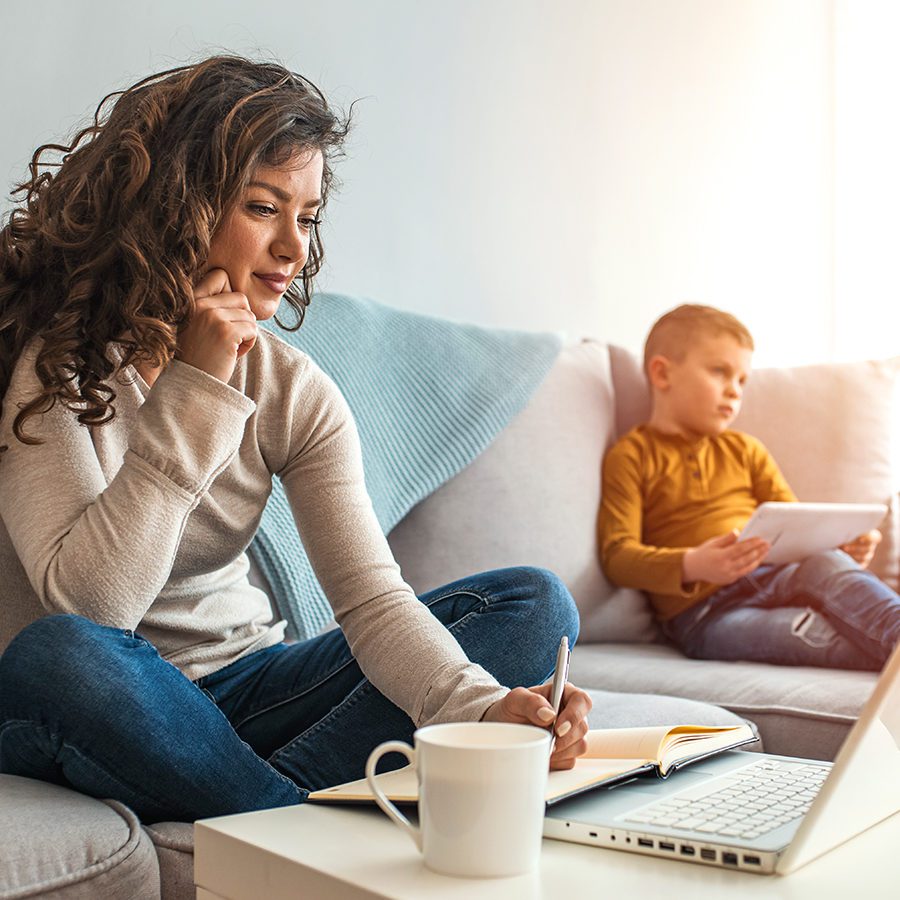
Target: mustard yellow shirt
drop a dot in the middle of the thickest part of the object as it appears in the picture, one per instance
(663, 494)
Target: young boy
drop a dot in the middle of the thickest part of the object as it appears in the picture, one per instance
(676, 492)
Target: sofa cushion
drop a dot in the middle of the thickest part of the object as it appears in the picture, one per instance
(57, 841)
(834, 430)
(633, 710)
(174, 843)
(532, 498)
(800, 711)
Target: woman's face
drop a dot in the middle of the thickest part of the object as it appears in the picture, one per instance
(262, 243)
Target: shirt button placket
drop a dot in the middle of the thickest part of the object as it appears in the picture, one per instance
(694, 465)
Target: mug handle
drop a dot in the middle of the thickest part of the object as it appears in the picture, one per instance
(392, 812)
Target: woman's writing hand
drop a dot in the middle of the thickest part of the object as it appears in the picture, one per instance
(531, 706)
(221, 329)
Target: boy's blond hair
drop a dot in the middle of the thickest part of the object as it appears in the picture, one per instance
(673, 333)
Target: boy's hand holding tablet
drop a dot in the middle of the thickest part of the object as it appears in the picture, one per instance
(863, 548)
(797, 530)
(723, 559)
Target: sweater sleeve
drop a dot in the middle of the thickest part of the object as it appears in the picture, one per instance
(625, 558)
(400, 646)
(105, 550)
(768, 482)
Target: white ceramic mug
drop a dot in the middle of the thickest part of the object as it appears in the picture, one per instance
(481, 796)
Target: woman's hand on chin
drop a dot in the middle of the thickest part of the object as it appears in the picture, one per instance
(221, 329)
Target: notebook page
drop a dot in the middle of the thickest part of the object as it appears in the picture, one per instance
(401, 785)
(626, 743)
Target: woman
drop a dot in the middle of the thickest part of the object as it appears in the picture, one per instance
(144, 414)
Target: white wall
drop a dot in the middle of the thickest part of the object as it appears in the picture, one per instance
(579, 166)
(867, 178)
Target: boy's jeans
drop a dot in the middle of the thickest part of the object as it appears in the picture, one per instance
(98, 709)
(824, 611)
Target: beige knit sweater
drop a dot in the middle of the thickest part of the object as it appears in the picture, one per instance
(143, 524)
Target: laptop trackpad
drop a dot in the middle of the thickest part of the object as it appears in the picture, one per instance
(605, 803)
(621, 798)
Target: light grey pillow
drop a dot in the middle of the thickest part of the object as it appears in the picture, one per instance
(532, 498)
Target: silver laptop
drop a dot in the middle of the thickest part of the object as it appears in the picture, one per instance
(752, 811)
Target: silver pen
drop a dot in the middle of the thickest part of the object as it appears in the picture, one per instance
(560, 675)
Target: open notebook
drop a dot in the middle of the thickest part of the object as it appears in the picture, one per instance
(614, 754)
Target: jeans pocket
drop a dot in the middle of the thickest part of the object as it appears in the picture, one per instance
(813, 628)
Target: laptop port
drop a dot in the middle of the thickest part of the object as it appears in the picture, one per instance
(668, 845)
(592, 833)
(645, 842)
(730, 859)
(688, 851)
(707, 854)
(752, 860)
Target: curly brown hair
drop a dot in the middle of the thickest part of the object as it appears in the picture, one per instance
(108, 248)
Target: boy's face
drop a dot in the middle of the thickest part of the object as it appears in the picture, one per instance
(703, 392)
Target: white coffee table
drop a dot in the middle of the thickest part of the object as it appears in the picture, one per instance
(326, 852)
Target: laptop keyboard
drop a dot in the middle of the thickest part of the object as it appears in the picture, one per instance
(747, 803)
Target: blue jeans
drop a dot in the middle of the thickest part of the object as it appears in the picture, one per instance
(98, 709)
(824, 611)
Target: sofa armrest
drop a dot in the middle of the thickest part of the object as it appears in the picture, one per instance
(61, 843)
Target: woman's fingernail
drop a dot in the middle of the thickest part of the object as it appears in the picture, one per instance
(546, 714)
(563, 729)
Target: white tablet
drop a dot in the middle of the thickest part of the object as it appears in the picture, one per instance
(797, 530)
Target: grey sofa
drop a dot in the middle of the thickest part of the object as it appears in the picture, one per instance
(531, 498)
(533, 495)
